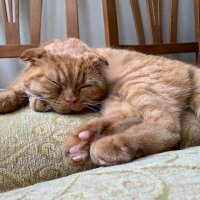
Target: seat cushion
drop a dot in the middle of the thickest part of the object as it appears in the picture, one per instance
(30, 145)
(169, 175)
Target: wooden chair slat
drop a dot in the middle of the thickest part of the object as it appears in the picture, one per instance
(72, 18)
(155, 17)
(11, 24)
(10, 10)
(173, 21)
(17, 12)
(36, 12)
(164, 48)
(197, 26)
(13, 51)
(197, 18)
(4, 10)
(138, 21)
(110, 23)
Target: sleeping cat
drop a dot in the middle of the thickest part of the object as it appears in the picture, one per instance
(146, 96)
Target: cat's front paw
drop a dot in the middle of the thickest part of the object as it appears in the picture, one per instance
(10, 101)
(76, 146)
(38, 105)
(4, 102)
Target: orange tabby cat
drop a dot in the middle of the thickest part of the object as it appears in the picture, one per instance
(141, 114)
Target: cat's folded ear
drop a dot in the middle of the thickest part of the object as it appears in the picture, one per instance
(97, 61)
(32, 55)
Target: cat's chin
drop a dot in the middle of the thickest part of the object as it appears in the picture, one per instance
(68, 110)
(63, 111)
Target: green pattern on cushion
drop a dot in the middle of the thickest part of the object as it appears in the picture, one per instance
(170, 175)
(30, 146)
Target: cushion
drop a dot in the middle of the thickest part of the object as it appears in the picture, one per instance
(30, 145)
(169, 175)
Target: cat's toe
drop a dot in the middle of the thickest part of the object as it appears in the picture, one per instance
(78, 158)
(110, 151)
(75, 150)
(77, 145)
(84, 135)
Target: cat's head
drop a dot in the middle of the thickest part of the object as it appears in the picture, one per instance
(64, 82)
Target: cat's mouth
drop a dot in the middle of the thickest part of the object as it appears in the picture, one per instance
(74, 108)
(68, 109)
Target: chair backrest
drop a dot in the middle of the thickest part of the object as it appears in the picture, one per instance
(155, 19)
(13, 48)
(72, 18)
(10, 10)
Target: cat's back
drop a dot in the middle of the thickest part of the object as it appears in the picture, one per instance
(123, 63)
(134, 73)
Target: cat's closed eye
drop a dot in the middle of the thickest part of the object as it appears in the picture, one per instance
(86, 86)
(54, 82)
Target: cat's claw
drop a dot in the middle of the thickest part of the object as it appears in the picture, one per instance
(76, 154)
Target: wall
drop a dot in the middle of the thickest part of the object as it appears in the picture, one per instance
(92, 28)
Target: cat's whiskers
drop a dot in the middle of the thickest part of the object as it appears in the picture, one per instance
(31, 95)
(92, 108)
(98, 107)
(25, 96)
(90, 101)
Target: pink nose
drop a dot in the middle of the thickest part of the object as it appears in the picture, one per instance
(71, 100)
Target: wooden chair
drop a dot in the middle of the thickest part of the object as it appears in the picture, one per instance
(13, 47)
(155, 19)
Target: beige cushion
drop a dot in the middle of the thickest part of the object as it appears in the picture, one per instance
(30, 145)
(169, 175)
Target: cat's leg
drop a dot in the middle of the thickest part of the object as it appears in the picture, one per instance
(76, 146)
(137, 141)
(39, 105)
(11, 99)
(195, 98)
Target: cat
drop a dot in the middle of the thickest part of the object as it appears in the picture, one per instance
(141, 114)
(143, 97)
(60, 76)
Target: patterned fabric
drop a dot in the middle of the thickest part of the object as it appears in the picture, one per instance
(170, 175)
(30, 146)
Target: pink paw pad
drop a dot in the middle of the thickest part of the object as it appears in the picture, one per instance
(124, 149)
(73, 149)
(84, 135)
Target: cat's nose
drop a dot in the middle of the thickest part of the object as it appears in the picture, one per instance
(70, 100)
